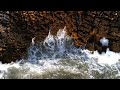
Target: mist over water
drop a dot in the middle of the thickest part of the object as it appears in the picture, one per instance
(57, 58)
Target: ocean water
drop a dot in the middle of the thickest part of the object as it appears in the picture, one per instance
(57, 58)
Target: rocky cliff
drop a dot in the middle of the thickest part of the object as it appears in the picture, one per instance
(85, 27)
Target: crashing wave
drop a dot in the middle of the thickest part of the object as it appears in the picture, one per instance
(57, 58)
(54, 47)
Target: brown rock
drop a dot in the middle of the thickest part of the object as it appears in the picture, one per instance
(85, 28)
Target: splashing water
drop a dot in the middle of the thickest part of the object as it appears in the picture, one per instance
(104, 41)
(54, 47)
(57, 58)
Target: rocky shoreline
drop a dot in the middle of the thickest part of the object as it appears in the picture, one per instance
(85, 27)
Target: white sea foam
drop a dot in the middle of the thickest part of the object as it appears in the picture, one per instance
(105, 58)
(57, 57)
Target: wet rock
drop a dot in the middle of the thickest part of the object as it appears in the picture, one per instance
(85, 27)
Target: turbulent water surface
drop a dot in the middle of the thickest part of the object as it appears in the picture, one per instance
(57, 58)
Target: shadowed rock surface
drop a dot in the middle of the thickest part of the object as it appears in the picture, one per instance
(85, 27)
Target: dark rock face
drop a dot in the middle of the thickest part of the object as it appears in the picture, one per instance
(85, 27)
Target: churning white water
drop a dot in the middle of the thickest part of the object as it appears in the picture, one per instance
(57, 58)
